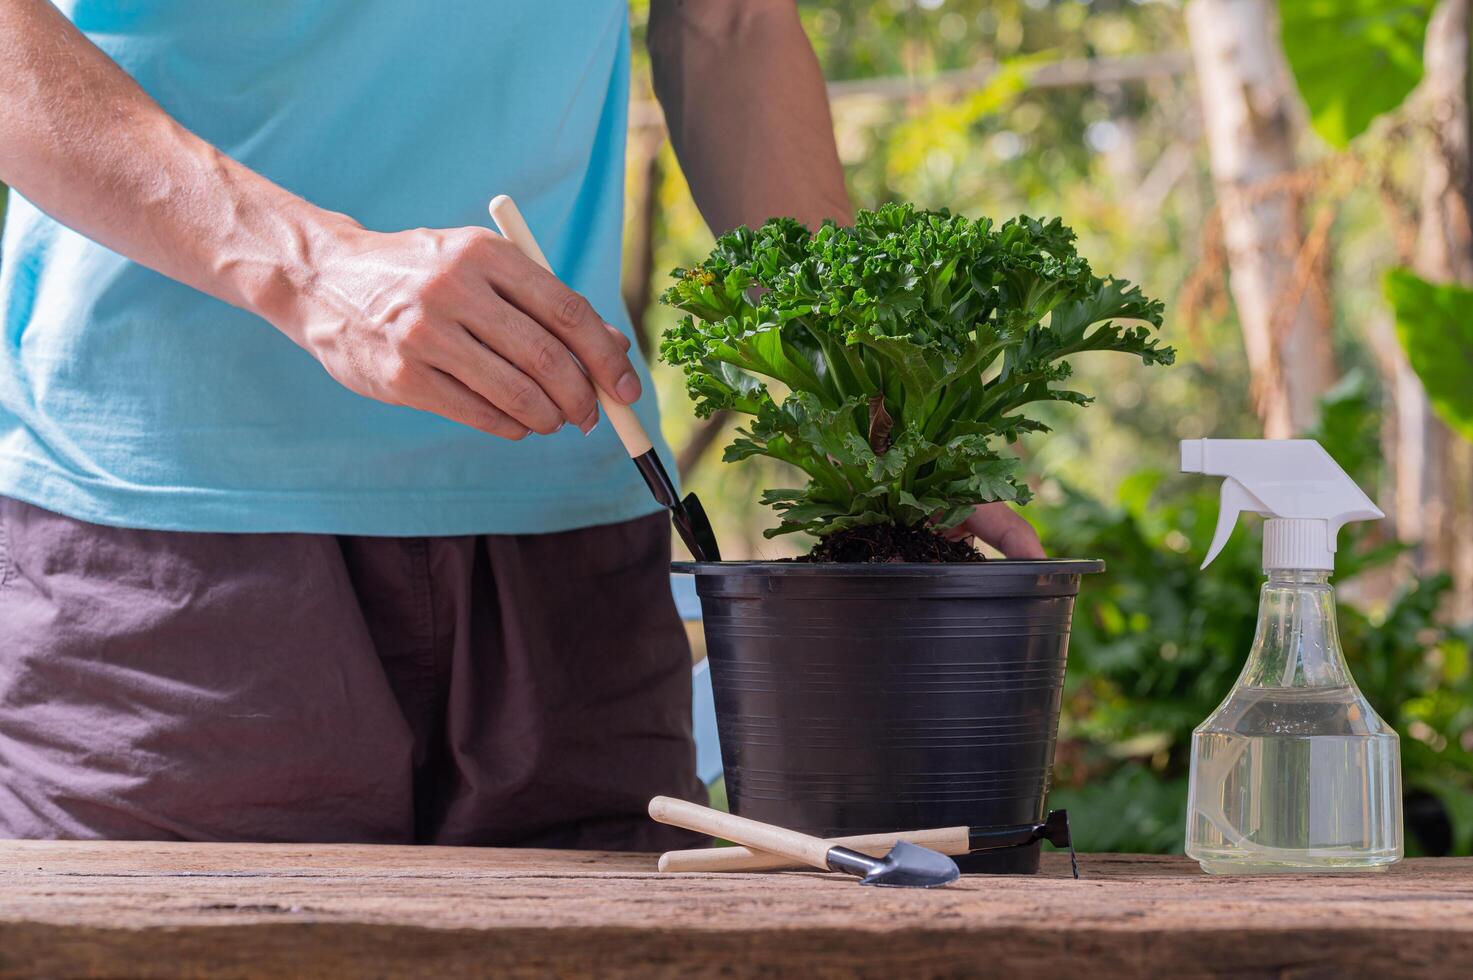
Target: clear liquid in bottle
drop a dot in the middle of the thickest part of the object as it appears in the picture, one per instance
(1295, 771)
(1294, 780)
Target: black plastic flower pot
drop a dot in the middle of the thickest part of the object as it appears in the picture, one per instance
(857, 699)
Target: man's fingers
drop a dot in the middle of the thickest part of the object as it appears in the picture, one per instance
(498, 382)
(1020, 541)
(1005, 529)
(450, 398)
(540, 356)
(570, 318)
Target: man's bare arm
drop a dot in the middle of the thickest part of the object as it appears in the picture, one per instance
(454, 321)
(747, 111)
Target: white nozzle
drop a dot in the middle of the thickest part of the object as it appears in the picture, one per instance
(1293, 482)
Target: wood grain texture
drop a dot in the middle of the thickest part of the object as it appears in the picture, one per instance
(242, 910)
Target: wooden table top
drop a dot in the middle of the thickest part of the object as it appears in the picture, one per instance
(159, 909)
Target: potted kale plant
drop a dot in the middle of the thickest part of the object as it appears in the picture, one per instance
(892, 679)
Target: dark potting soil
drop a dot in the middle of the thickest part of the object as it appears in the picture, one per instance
(888, 543)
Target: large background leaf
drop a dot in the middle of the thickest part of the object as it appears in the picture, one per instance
(1353, 59)
(1435, 327)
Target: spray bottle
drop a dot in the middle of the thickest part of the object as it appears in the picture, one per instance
(1294, 771)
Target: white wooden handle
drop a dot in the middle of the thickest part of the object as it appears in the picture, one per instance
(513, 228)
(947, 840)
(812, 851)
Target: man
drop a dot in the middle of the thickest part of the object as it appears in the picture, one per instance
(375, 574)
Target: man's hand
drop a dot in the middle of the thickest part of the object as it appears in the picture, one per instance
(999, 525)
(457, 322)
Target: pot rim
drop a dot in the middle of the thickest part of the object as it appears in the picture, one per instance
(949, 570)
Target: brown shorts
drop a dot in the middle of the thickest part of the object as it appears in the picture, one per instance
(527, 690)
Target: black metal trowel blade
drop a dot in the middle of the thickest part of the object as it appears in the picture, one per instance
(688, 515)
(906, 866)
(695, 529)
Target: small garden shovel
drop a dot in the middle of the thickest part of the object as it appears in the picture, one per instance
(688, 515)
(906, 865)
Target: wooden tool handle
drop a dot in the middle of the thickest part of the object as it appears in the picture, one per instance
(513, 228)
(790, 844)
(947, 840)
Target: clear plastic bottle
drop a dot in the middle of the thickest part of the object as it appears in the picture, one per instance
(1295, 771)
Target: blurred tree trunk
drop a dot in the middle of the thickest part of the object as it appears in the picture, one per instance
(706, 432)
(1434, 466)
(1248, 102)
(646, 172)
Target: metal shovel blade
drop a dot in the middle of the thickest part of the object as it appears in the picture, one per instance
(688, 515)
(906, 866)
(695, 529)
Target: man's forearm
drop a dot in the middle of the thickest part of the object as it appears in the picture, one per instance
(747, 111)
(81, 140)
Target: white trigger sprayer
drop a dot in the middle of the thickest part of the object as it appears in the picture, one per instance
(1294, 483)
(1294, 771)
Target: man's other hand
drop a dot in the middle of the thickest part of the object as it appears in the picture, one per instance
(1002, 527)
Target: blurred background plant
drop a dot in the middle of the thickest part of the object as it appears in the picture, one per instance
(1263, 167)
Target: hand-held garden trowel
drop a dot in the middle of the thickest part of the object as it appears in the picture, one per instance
(906, 865)
(688, 515)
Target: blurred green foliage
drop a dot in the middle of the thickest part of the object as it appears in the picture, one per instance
(1433, 325)
(1353, 59)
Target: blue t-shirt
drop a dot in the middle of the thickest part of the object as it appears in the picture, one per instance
(129, 399)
